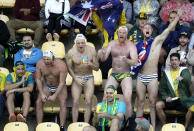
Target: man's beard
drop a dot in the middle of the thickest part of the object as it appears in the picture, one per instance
(27, 47)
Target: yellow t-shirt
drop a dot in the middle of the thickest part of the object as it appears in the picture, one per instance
(174, 75)
(2, 81)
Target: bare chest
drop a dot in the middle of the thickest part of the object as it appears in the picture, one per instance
(120, 51)
(50, 72)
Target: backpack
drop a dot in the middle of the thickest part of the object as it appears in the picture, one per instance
(13, 47)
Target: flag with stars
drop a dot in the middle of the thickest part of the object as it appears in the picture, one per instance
(110, 11)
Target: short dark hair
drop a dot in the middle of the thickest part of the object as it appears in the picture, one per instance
(172, 12)
(27, 34)
(175, 55)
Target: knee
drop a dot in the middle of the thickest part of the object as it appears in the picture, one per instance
(75, 102)
(26, 94)
(88, 102)
(127, 100)
(62, 103)
(159, 105)
(152, 104)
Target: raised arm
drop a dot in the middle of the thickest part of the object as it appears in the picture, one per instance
(160, 38)
(104, 52)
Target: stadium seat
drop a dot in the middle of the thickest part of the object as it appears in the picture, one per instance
(4, 71)
(77, 126)
(175, 114)
(109, 72)
(146, 104)
(173, 127)
(16, 126)
(51, 107)
(24, 31)
(63, 31)
(151, 128)
(82, 103)
(48, 126)
(56, 47)
(120, 97)
(69, 80)
(8, 3)
(19, 109)
(97, 77)
(93, 32)
(42, 3)
(4, 18)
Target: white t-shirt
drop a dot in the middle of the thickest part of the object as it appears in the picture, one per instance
(27, 54)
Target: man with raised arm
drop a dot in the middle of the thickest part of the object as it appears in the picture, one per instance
(50, 79)
(148, 52)
(124, 54)
(81, 60)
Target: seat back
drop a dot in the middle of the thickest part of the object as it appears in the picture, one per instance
(82, 103)
(109, 72)
(97, 77)
(4, 71)
(48, 126)
(16, 126)
(120, 97)
(4, 18)
(56, 47)
(173, 127)
(77, 126)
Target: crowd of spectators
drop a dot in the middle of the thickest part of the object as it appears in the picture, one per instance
(162, 27)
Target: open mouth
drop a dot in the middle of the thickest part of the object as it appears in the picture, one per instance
(147, 33)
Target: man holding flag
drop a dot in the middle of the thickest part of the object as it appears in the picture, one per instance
(148, 56)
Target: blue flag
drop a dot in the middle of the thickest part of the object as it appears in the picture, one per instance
(110, 11)
(143, 50)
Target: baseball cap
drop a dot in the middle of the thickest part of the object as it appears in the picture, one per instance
(144, 123)
(18, 63)
(142, 15)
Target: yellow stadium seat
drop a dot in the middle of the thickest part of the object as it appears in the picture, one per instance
(77, 126)
(109, 72)
(69, 80)
(52, 107)
(8, 3)
(146, 104)
(193, 129)
(16, 126)
(82, 103)
(24, 31)
(19, 109)
(63, 31)
(151, 128)
(48, 126)
(97, 77)
(120, 97)
(4, 18)
(42, 3)
(93, 32)
(56, 47)
(4, 71)
(173, 127)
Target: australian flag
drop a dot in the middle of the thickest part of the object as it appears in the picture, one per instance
(110, 11)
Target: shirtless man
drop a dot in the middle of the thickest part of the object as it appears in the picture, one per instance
(50, 79)
(124, 54)
(147, 77)
(81, 60)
